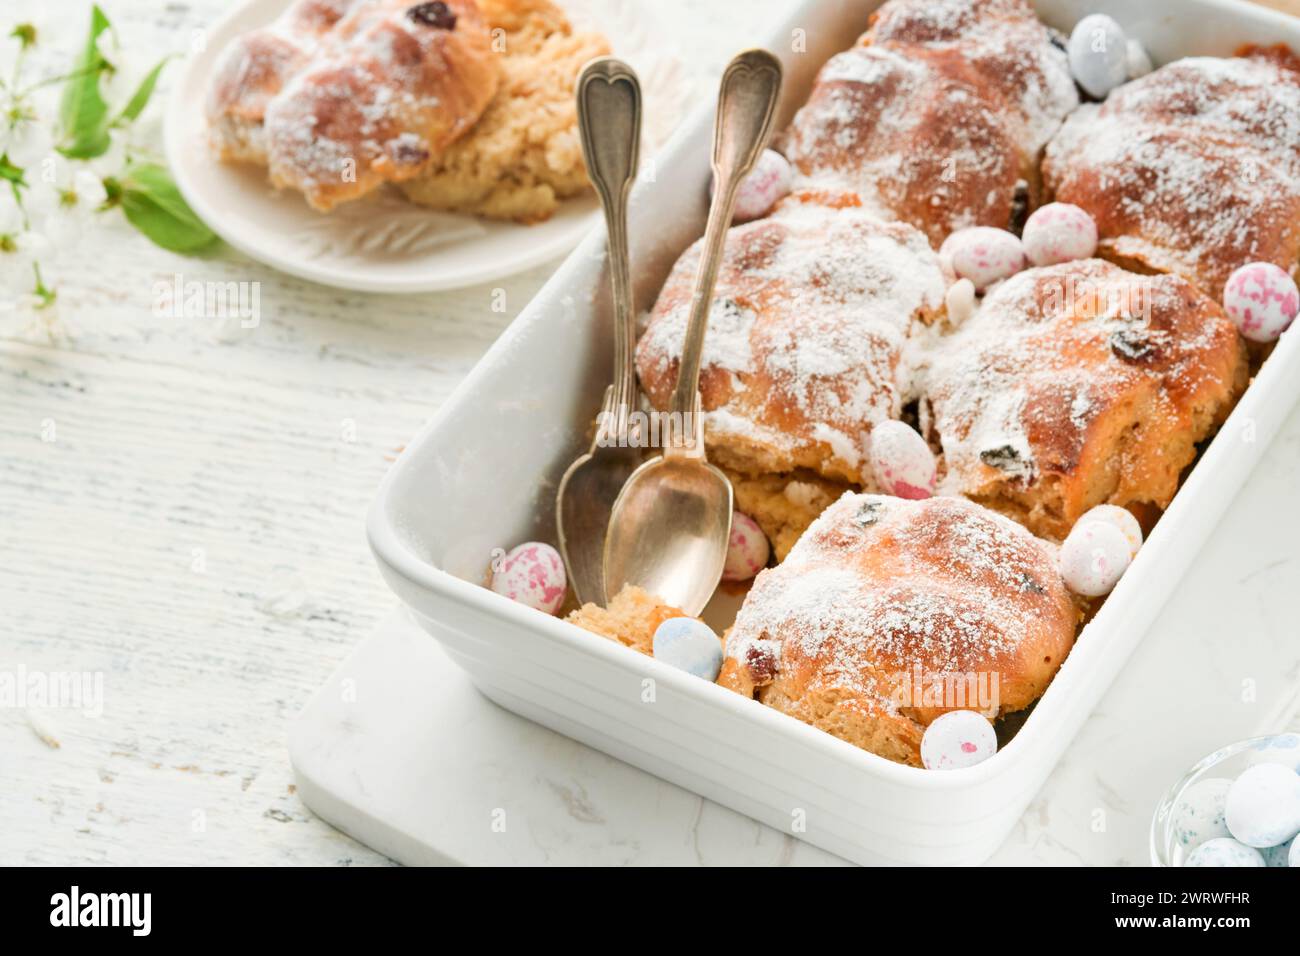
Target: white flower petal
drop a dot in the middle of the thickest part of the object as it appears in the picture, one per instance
(90, 189)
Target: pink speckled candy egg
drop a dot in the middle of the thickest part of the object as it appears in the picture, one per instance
(957, 739)
(1094, 557)
(532, 574)
(901, 461)
(766, 185)
(1059, 232)
(1262, 300)
(984, 255)
(747, 549)
(1122, 519)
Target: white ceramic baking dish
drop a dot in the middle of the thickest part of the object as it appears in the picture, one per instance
(482, 475)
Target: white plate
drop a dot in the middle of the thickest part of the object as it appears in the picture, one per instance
(383, 243)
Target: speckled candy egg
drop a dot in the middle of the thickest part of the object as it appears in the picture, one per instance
(747, 549)
(1293, 857)
(959, 738)
(1059, 232)
(1198, 817)
(1281, 855)
(1224, 851)
(984, 255)
(1262, 299)
(1281, 748)
(1139, 61)
(689, 645)
(1093, 558)
(1122, 519)
(532, 574)
(1263, 805)
(1098, 52)
(901, 461)
(766, 185)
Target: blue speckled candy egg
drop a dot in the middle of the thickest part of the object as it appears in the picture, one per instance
(1282, 748)
(1281, 854)
(1224, 851)
(1293, 858)
(1098, 52)
(1263, 805)
(689, 645)
(1198, 817)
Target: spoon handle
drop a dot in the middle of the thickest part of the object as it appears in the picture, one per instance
(751, 86)
(609, 119)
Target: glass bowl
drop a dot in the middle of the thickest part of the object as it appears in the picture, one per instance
(1225, 763)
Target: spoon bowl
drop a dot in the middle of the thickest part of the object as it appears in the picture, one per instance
(670, 532)
(584, 504)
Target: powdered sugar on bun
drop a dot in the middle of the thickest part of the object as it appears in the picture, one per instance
(1193, 169)
(804, 349)
(1079, 384)
(938, 115)
(880, 590)
(340, 96)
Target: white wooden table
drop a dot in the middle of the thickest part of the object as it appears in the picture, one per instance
(183, 514)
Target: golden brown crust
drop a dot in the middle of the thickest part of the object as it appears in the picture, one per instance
(1080, 384)
(804, 350)
(888, 613)
(338, 98)
(1193, 169)
(524, 155)
(938, 113)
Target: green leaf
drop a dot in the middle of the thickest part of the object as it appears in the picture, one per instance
(83, 112)
(11, 173)
(154, 205)
(140, 98)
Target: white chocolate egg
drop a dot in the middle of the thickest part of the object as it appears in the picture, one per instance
(1280, 748)
(960, 301)
(1198, 816)
(1263, 805)
(765, 186)
(1224, 851)
(1098, 53)
(984, 255)
(689, 645)
(901, 461)
(1139, 61)
(747, 549)
(1262, 300)
(957, 739)
(1122, 519)
(532, 574)
(1093, 558)
(1059, 232)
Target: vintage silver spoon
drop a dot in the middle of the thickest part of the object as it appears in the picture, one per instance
(669, 528)
(609, 119)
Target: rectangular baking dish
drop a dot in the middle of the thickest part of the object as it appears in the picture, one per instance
(482, 474)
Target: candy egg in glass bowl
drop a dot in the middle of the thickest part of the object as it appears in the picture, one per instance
(1194, 811)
